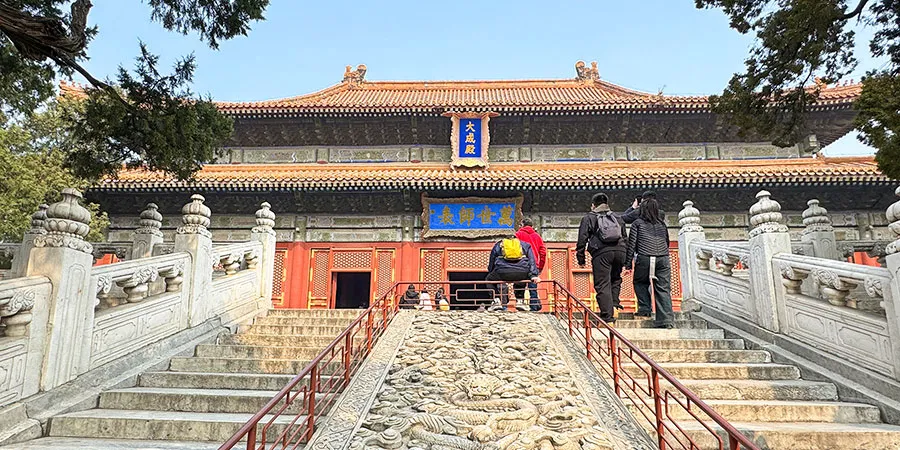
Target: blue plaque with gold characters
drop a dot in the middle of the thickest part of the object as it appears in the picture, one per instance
(470, 217)
(470, 138)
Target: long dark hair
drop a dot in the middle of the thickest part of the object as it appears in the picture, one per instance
(650, 211)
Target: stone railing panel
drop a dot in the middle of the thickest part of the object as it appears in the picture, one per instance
(153, 304)
(23, 315)
(235, 296)
(719, 284)
(136, 280)
(819, 307)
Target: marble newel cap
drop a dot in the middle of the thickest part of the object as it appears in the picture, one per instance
(195, 212)
(67, 216)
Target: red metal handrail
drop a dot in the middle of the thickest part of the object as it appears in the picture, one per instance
(325, 375)
(331, 370)
(607, 355)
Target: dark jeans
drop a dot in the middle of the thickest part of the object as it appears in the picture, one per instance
(535, 299)
(607, 268)
(518, 288)
(661, 288)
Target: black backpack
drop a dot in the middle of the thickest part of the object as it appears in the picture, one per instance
(608, 231)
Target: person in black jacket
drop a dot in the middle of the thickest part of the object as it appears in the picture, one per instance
(634, 211)
(607, 259)
(648, 246)
(410, 298)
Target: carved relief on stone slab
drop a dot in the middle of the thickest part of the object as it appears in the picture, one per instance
(480, 381)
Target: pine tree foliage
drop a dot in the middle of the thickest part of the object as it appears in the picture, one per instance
(802, 45)
(142, 118)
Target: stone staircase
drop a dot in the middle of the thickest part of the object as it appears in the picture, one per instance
(768, 402)
(203, 399)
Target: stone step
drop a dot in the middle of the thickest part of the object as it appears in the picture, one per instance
(154, 425)
(712, 356)
(242, 365)
(304, 321)
(633, 334)
(279, 340)
(804, 435)
(679, 324)
(718, 371)
(256, 352)
(778, 411)
(679, 315)
(690, 344)
(761, 389)
(341, 313)
(292, 331)
(192, 400)
(64, 443)
(201, 380)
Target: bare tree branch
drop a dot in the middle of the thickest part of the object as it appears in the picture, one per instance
(856, 11)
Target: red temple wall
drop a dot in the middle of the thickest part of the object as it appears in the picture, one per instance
(304, 272)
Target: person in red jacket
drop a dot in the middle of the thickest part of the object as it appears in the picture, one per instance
(527, 234)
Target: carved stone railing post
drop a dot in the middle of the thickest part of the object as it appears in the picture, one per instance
(194, 237)
(20, 260)
(819, 231)
(892, 261)
(231, 262)
(63, 256)
(689, 219)
(147, 235)
(768, 237)
(264, 233)
(137, 286)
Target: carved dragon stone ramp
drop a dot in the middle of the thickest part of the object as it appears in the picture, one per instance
(472, 381)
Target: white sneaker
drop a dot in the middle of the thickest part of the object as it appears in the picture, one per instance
(495, 305)
(521, 306)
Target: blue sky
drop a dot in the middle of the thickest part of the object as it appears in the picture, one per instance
(303, 46)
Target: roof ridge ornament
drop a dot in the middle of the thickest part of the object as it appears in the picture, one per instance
(582, 73)
(355, 76)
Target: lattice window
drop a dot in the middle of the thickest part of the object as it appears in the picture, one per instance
(353, 259)
(319, 278)
(279, 277)
(582, 285)
(573, 260)
(468, 259)
(559, 270)
(432, 267)
(384, 270)
(627, 296)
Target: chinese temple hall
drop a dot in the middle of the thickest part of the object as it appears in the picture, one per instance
(375, 182)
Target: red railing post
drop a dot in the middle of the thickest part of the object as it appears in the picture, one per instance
(569, 312)
(384, 318)
(348, 347)
(251, 438)
(311, 402)
(587, 333)
(370, 323)
(733, 442)
(614, 351)
(658, 408)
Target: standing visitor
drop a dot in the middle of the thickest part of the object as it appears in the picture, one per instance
(410, 298)
(527, 234)
(648, 246)
(602, 234)
(634, 211)
(512, 260)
